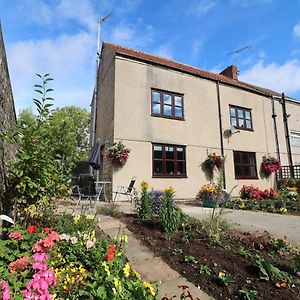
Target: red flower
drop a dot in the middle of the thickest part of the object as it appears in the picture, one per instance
(48, 230)
(110, 252)
(16, 235)
(31, 229)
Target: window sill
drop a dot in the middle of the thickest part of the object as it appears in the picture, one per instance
(243, 128)
(166, 117)
(169, 176)
(245, 177)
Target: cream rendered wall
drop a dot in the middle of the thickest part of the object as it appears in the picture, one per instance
(134, 125)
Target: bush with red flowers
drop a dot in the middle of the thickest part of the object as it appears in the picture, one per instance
(270, 165)
(251, 192)
(118, 153)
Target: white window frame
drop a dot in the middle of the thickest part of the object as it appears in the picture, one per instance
(295, 135)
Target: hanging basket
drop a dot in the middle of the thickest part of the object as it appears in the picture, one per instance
(117, 153)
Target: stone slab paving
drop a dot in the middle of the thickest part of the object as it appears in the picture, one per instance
(279, 225)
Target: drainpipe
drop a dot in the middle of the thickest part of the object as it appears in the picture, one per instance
(221, 132)
(274, 116)
(287, 137)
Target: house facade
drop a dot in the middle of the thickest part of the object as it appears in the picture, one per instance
(172, 116)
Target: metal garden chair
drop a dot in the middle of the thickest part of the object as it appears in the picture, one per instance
(125, 190)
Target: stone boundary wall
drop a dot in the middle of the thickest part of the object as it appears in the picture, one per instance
(7, 117)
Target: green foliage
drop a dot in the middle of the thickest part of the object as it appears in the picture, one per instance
(170, 214)
(213, 226)
(297, 262)
(248, 294)
(110, 209)
(268, 271)
(190, 259)
(204, 270)
(143, 203)
(244, 252)
(177, 251)
(189, 227)
(224, 279)
(280, 245)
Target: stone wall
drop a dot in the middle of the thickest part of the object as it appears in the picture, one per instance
(7, 117)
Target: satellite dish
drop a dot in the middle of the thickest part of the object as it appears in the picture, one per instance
(233, 130)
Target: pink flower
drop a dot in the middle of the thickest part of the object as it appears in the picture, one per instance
(90, 244)
(74, 240)
(48, 230)
(19, 265)
(16, 235)
(4, 290)
(40, 260)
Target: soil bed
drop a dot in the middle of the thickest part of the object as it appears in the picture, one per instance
(243, 272)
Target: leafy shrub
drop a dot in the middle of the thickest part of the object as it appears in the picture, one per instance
(143, 203)
(110, 209)
(169, 213)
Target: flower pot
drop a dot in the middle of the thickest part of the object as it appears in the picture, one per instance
(210, 203)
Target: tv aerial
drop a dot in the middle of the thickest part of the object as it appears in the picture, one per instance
(238, 52)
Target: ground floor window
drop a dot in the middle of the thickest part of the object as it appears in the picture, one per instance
(244, 165)
(168, 160)
(295, 138)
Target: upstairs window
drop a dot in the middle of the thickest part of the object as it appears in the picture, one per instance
(241, 118)
(295, 138)
(244, 165)
(167, 104)
(169, 161)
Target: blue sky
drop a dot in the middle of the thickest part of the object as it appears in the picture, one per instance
(60, 37)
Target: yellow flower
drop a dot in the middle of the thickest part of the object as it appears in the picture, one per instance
(90, 217)
(221, 275)
(126, 270)
(144, 185)
(124, 239)
(117, 284)
(283, 210)
(106, 268)
(149, 288)
(137, 275)
(170, 191)
(76, 218)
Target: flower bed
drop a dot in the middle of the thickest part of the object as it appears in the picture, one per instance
(287, 200)
(67, 261)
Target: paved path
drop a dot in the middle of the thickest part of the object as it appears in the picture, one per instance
(278, 225)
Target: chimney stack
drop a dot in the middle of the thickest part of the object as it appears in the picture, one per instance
(230, 72)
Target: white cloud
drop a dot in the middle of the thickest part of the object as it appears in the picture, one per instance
(247, 3)
(296, 30)
(68, 59)
(281, 78)
(201, 8)
(163, 51)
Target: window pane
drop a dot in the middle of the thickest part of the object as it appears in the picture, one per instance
(167, 99)
(178, 101)
(240, 113)
(157, 152)
(248, 124)
(157, 165)
(232, 112)
(169, 152)
(156, 97)
(237, 158)
(180, 153)
(247, 114)
(167, 110)
(170, 167)
(237, 170)
(241, 123)
(233, 121)
(156, 108)
(178, 112)
(253, 171)
(180, 168)
(246, 171)
(245, 158)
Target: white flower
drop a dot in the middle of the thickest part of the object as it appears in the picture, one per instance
(74, 240)
(64, 237)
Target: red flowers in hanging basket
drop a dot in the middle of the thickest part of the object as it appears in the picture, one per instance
(214, 160)
(270, 165)
(118, 153)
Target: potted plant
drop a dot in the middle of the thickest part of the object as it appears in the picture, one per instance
(117, 153)
(270, 165)
(211, 195)
(213, 160)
